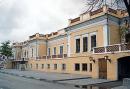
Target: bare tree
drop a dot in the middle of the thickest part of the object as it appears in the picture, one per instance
(127, 4)
(118, 4)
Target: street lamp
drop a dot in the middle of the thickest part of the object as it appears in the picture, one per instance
(92, 59)
(107, 58)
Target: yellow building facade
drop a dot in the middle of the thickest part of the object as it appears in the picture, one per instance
(91, 45)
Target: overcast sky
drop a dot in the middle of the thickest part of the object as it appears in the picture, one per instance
(22, 18)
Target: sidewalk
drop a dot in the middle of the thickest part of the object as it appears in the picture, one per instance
(120, 87)
(71, 79)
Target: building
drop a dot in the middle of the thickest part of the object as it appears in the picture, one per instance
(93, 45)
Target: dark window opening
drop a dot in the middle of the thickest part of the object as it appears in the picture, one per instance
(77, 45)
(42, 66)
(77, 67)
(49, 51)
(32, 52)
(85, 44)
(93, 41)
(63, 66)
(36, 66)
(90, 67)
(48, 66)
(84, 67)
(55, 66)
(61, 50)
(31, 65)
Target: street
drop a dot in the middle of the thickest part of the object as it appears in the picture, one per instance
(14, 82)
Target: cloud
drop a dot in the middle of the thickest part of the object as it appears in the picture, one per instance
(21, 18)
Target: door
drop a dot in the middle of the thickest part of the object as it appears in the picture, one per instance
(102, 68)
(124, 68)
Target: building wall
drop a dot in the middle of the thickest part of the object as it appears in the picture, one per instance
(57, 42)
(114, 34)
(104, 26)
(69, 62)
(98, 30)
(17, 52)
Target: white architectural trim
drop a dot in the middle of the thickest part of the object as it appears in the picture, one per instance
(90, 25)
(77, 37)
(105, 35)
(85, 35)
(53, 42)
(91, 34)
(68, 44)
(103, 22)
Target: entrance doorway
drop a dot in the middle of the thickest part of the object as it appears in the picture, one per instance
(102, 68)
(124, 67)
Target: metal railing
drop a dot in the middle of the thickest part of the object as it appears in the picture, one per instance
(60, 56)
(112, 48)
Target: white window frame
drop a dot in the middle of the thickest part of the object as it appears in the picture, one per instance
(77, 37)
(85, 35)
(92, 34)
(59, 49)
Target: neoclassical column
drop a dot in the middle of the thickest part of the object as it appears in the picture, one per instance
(106, 34)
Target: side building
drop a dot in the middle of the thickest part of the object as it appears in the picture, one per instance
(93, 45)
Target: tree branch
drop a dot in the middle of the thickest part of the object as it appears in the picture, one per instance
(127, 6)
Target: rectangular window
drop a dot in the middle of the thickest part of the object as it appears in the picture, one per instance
(36, 66)
(49, 51)
(61, 49)
(25, 53)
(48, 66)
(90, 67)
(31, 65)
(55, 66)
(54, 50)
(42, 66)
(32, 52)
(84, 67)
(85, 44)
(77, 45)
(77, 67)
(93, 41)
(63, 66)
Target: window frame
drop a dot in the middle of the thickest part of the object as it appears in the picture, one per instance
(55, 66)
(61, 52)
(42, 66)
(84, 68)
(63, 66)
(48, 66)
(49, 51)
(77, 68)
(77, 46)
(54, 51)
(92, 44)
(90, 67)
(36, 65)
(85, 36)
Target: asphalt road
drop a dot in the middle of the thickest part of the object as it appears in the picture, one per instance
(14, 82)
